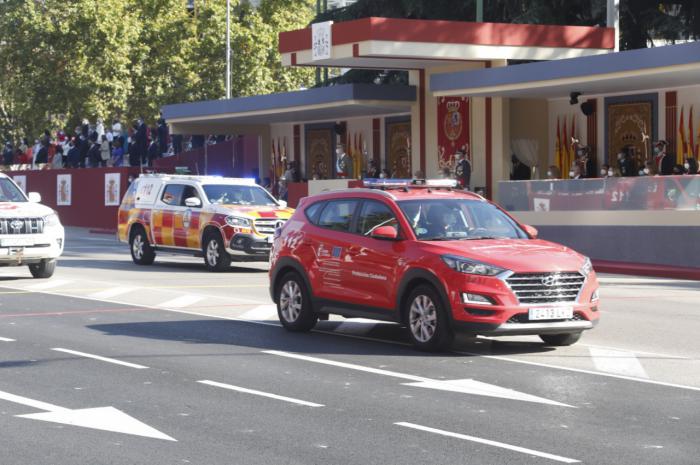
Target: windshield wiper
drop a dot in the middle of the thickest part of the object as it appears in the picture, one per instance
(481, 238)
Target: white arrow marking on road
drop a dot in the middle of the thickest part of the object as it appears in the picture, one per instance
(465, 386)
(488, 442)
(102, 418)
(6, 339)
(620, 362)
(471, 386)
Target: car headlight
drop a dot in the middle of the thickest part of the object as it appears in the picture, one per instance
(587, 267)
(51, 220)
(465, 265)
(238, 221)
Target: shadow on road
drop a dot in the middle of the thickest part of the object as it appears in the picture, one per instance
(385, 339)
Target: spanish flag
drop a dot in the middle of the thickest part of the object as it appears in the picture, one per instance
(565, 151)
(557, 148)
(691, 137)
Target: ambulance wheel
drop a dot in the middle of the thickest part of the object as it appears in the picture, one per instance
(141, 251)
(215, 256)
(44, 269)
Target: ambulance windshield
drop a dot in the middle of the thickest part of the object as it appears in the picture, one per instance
(227, 194)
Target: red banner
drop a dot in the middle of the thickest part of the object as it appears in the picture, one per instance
(453, 130)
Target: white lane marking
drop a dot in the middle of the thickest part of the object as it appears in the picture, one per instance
(102, 359)
(464, 386)
(634, 351)
(182, 301)
(618, 362)
(260, 313)
(113, 292)
(6, 339)
(51, 284)
(37, 404)
(471, 386)
(579, 370)
(356, 326)
(488, 442)
(260, 393)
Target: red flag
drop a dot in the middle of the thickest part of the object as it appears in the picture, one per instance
(691, 135)
(565, 150)
(557, 147)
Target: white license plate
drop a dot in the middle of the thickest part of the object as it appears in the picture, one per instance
(551, 313)
(16, 242)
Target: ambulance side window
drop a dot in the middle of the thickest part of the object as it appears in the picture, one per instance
(172, 194)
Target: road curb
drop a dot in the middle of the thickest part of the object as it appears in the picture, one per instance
(643, 269)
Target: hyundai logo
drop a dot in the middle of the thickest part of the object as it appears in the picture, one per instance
(550, 281)
(16, 225)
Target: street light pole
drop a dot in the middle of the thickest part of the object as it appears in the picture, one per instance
(228, 49)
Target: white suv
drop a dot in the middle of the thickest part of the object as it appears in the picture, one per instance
(30, 233)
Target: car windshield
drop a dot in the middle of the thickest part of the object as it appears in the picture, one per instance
(9, 192)
(229, 194)
(458, 219)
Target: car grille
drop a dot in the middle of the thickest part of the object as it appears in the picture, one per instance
(21, 225)
(268, 225)
(546, 288)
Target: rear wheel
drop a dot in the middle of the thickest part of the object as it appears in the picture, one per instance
(141, 251)
(560, 339)
(427, 320)
(294, 304)
(215, 256)
(44, 269)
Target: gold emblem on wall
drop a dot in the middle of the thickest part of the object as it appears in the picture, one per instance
(319, 153)
(627, 122)
(399, 156)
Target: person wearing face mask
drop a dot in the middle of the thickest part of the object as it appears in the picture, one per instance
(575, 172)
(649, 169)
(664, 163)
(606, 171)
(384, 174)
(343, 163)
(553, 172)
(691, 165)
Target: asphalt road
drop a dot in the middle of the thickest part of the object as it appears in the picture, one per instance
(110, 363)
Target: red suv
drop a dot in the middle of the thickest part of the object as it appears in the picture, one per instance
(432, 258)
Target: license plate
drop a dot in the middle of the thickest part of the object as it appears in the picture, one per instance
(551, 313)
(16, 242)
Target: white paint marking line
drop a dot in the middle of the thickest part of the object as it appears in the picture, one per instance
(464, 386)
(260, 313)
(6, 339)
(488, 442)
(617, 362)
(260, 393)
(113, 292)
(579, 370)
(103, 359)
(54, 283)
(182, 301)
(640, 352)
(356, 326)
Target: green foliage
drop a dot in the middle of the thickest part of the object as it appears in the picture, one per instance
(65, 60)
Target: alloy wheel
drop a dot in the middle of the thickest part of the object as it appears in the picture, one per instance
(290, 301)
(423, 318)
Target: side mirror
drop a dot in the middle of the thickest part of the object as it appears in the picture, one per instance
(385, 233)
(193, 202)
(531, 230)
(34, 197)
(282, 203)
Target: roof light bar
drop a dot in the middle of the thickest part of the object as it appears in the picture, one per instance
(386, 183)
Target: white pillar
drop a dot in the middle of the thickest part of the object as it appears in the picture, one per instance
(613, 20)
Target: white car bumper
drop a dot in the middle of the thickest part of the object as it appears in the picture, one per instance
(25, 249)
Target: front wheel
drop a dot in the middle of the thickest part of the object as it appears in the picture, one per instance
(141, 251)
(215, 256)
(44, 269)
(427, 321)
(560, 339)
(294, 304)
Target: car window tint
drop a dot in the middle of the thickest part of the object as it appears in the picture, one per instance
(337, 215)
(172, 194)
(312, 212)
(374, 215)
